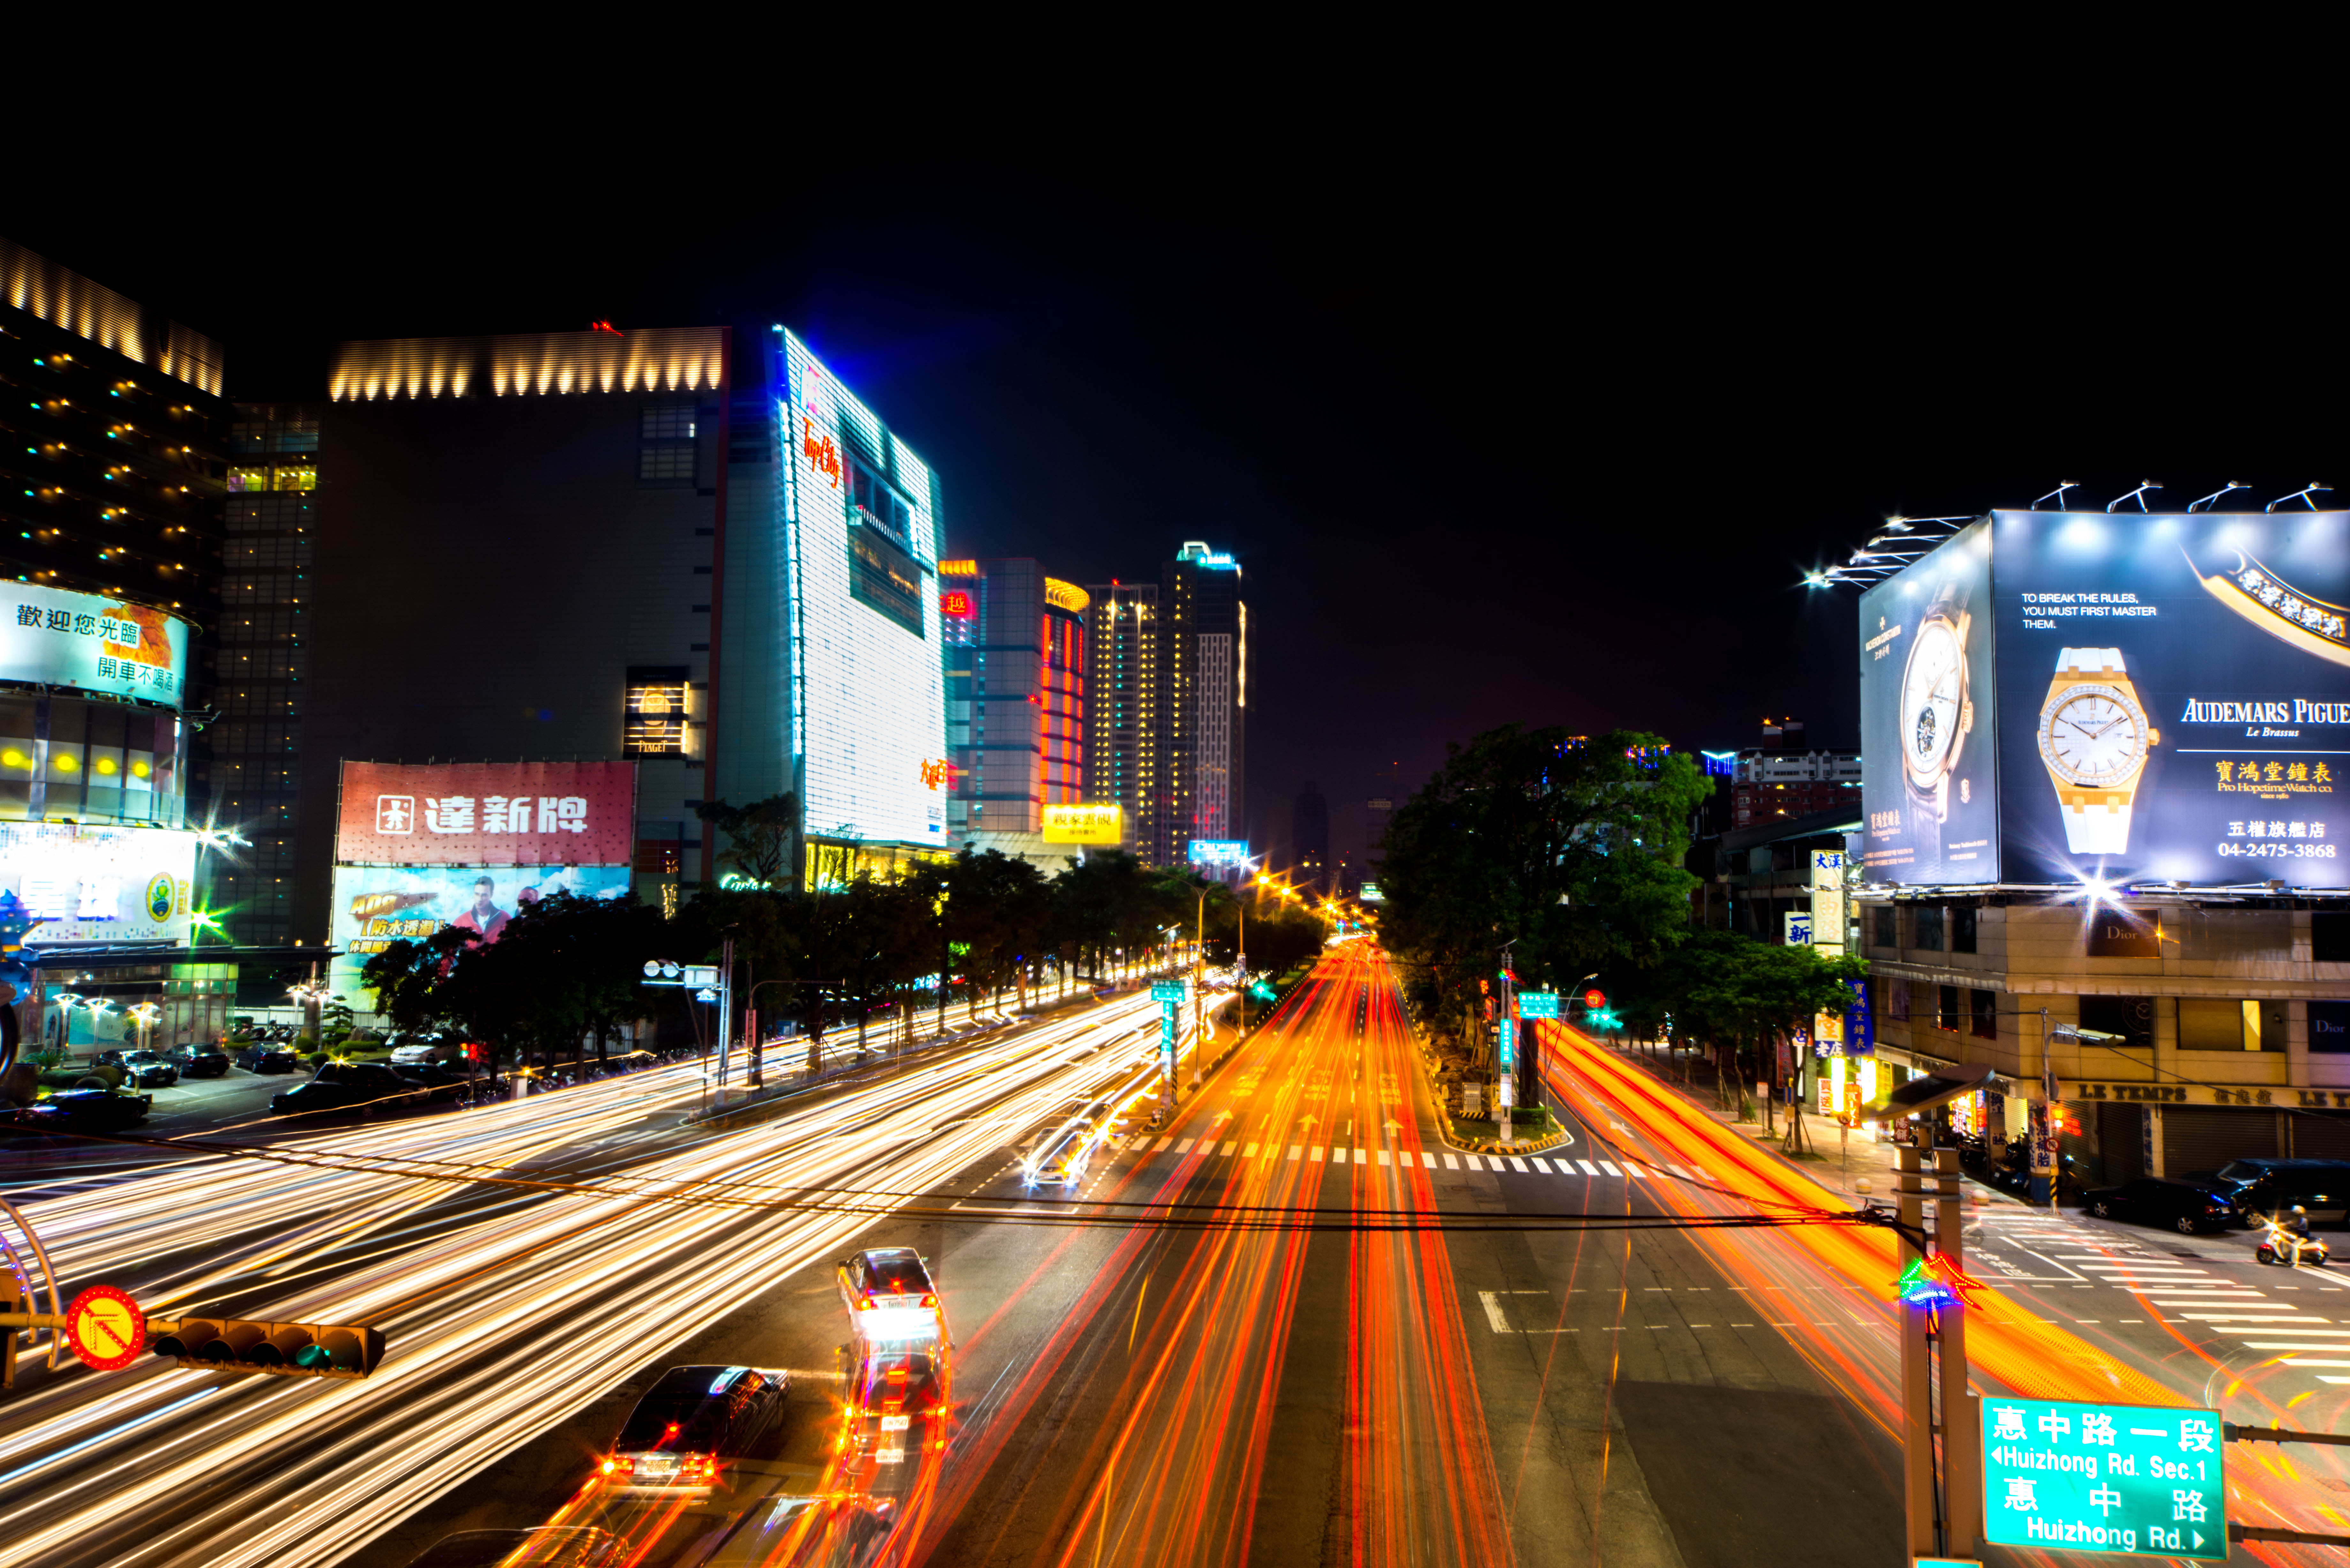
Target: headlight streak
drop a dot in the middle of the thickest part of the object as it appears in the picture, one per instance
(374, 1450)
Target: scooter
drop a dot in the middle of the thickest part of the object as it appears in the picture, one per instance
(2282, 1246)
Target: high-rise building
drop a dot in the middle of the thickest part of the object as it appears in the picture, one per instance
(1126, 714)
(1015, 643)
(587, 544)
(1309, 837)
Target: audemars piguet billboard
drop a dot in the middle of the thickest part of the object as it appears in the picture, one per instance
(2172, 701)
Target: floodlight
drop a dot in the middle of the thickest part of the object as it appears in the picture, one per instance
(2219, 494)
(2137, 495)
(2057, 494)
(2304, 494)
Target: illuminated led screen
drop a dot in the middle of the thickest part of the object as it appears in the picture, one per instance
(51, 637)
(861, 530)
(95, 884)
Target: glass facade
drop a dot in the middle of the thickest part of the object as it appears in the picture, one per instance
(69, 759)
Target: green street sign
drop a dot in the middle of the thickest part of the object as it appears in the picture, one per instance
(2138, 1479)
(1167, 990)
(1538, 1005)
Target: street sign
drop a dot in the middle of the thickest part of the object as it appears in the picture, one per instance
(106, 1329)
(1506, 1048)
(1167, 990)
(1538, 1005)
(2137, 1479)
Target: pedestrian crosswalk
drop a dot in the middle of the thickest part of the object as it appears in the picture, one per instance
(1149, 1147)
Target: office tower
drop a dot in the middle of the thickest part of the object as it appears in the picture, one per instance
(1309, 838)
(1016, 647)
(1126, 723)
(1206, 647)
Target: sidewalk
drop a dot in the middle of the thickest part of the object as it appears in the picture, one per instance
(1850, 1157)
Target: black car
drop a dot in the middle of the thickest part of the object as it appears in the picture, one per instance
(441, 1083)
(548, 1546)
(350, 1086)
(81, 1110)
(142, 1069)
(201, 1061)
(2184, 1206)
(2267, 1186)
(688, 1424)
(265, 1058)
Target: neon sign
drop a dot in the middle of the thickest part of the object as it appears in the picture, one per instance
(935, 772)
(957, 603)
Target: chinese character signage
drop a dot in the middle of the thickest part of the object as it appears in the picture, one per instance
(2104, 1477)
(1538, 1005)
(487, 814)
(375, 906)
(50, 637)
(100, 884)
(2172, 701)
(1085, 823)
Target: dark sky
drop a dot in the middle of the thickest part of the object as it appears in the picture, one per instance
(1493, 440)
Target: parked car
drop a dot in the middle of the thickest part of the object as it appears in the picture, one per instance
(690, 1423)
(81, 1110)
(2184, 1206)
(415, 1054)
(548, 1546)
(350, 1086)
(201, 1061)
(265, 1058)
(2266, 1186)
(443, 1084)
(142, 1069)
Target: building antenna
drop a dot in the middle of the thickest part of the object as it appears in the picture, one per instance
(2138, 496)
(2302, 494)
(2058, 494)
(2219, 494)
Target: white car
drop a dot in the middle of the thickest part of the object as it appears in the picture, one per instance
(415, 1056)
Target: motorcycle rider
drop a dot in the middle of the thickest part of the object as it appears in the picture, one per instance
(2298, 1229)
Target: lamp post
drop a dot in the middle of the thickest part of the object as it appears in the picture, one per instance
(65, 1000)
(144, 1015)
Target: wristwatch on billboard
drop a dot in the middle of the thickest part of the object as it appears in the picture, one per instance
(1936, 711)
(2095, 737)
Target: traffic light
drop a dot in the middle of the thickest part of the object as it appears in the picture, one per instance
(286, 1349)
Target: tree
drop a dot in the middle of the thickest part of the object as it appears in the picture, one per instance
(1565, 851)
(759, 837)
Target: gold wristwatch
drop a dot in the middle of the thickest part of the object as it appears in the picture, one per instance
(2095, 737)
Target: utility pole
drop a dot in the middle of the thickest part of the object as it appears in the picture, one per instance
(1506, 1030)
(725, 1012)
(1198, 984)
(1942, 1484)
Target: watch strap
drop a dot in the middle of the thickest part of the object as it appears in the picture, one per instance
(2096, 830)
(2090, 661)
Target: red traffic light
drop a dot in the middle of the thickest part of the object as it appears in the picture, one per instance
(1595, 998)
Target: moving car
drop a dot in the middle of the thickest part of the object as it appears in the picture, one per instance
(350, 1086)
(81, 1110)
(201, 1061)
(690, 1423)
(1061, 1158)
(2184, 1206)
(891, 1297)
(897, 1393)
(142, 1069)
(548, 1546)
(260, 1058)
(2265, 1186)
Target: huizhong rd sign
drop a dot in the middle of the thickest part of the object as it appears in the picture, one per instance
(2104, 1477)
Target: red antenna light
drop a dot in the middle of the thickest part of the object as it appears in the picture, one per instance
(605, 326)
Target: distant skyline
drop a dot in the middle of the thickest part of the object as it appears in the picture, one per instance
(1461, 496)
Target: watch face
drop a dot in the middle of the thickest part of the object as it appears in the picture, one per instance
(2092, 734)
(1932, 690)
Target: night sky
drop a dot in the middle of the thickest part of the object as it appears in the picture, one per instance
(1487, 449)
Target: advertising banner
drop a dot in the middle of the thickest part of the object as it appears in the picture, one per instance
(1085, 823)
(487, 814)
(1218, 851)
(1928, 719)
(375, 906)
(53, 636)
(100, 884)
(2178, 695)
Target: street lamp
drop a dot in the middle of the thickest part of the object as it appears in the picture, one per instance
(144, 1015)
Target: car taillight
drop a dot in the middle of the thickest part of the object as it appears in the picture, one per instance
(930, 1300)
(864, 1303)
(619, 1467)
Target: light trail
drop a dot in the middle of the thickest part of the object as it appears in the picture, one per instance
(501, 1316)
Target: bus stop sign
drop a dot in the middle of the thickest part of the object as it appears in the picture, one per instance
(2137, 1479)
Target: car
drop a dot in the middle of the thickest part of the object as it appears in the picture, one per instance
(891, 1388)
(81, 1111)
(890, 1296)
(415, 1055)
(442, 1083)
(201, 1061)
(2184, 1206)
(261, 1057)
(547, 1546)
(350, 1086)
(691, 1423)
(142, 1069)
(2259, 1185)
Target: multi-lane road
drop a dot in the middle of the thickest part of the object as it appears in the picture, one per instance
(1293, 1325)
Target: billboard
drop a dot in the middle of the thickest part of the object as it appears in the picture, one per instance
(100, 884)
(1218, 851)
(487, 814)
(1085, 823)
(2168, 699)
(375, 906)
(92, 643)
(1927, 711)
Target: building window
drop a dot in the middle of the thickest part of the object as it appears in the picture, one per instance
(244, 478)
(1882, 919)
(294, 476)
(1946, 1008)
(665, 464)
(654, 725)
(660, 857)
(1962, 929)
(2131, 1017)
(883, 577)
(2329, 936)
(2213, 1023)
(1983, 1014)
(1929, 931)
(669, 422)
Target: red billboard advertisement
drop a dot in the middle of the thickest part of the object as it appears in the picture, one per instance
(487, 814)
